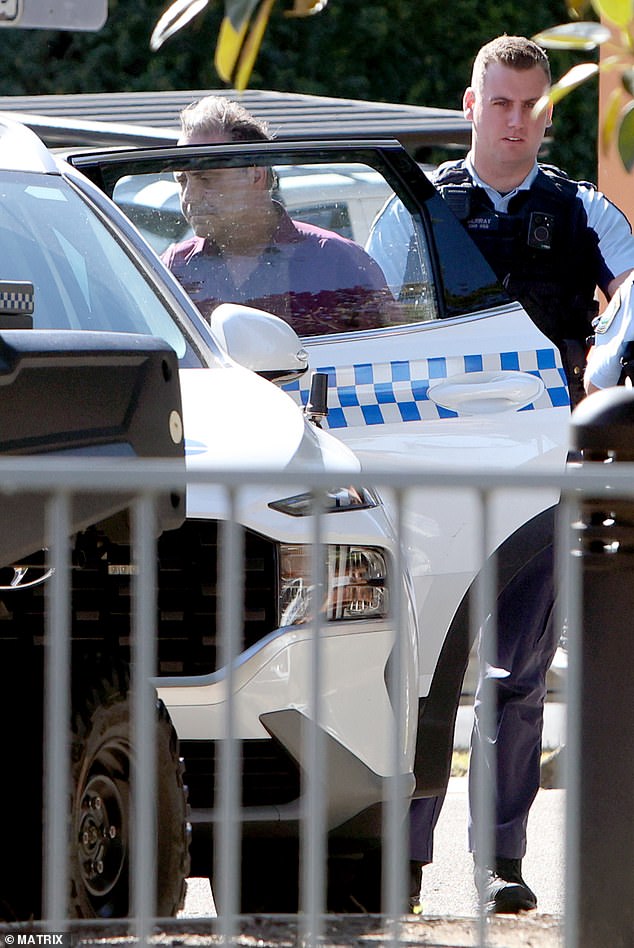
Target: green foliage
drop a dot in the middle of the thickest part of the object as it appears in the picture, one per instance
(616, 35)
(625, 137)
(411, 51)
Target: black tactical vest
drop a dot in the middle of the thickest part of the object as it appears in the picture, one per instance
(541, 250)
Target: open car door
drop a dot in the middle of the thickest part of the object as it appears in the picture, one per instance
(445, 372)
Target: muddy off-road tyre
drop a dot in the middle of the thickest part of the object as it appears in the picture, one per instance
(101, 809)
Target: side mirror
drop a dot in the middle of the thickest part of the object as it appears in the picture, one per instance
(259, 341)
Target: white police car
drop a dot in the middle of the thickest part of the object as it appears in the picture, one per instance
(91, 270)
(453, 374)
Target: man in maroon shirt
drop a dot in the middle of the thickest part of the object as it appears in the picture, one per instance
(247, 249)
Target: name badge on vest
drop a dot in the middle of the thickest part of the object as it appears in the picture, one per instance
(484, 223)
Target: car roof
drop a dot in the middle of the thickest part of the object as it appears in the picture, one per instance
(22, 150)
(107, 118)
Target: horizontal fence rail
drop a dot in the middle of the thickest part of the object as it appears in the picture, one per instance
(594, 717)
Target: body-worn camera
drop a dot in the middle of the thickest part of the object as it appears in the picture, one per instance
(540, 230)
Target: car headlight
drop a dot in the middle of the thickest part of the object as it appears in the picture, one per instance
(355, 578)
(337, 499)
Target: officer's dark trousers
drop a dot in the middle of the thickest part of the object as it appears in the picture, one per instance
(526, 647)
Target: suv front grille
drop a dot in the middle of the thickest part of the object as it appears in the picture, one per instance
(188, 597)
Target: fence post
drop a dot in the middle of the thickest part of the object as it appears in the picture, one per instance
(600, 897)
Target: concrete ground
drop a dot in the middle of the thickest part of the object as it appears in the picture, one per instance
(353, 932)
(451, 918)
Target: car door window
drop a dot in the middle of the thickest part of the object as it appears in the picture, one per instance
(364, 242)
(355, 256)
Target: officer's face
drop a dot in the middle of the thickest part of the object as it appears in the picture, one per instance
(501, 112)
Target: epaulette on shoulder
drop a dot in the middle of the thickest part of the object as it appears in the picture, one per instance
(554, 172)
(450, 172)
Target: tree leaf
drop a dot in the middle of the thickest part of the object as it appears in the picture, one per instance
(570, 80)
(177, 15)
(252, 44)
(610, 117)
(228, 45)
(581, 36)
(239, 12)
(619, 12)
(306, 7)
(239, 42)
(576, 8)
(626, 137)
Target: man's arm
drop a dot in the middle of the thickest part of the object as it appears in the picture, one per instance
(616, 245)
(613, 330)
(616, 241)
(614, 284)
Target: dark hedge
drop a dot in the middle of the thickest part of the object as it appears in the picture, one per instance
(411, 51)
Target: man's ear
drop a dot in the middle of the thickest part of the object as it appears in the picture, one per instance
(549, 116)
(468, 101)
(259, 177)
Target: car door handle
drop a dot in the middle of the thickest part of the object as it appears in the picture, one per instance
(482, 393)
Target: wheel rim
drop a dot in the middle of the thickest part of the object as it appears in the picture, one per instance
(101, 836)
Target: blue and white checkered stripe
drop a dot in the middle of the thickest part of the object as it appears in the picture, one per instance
(396, 392)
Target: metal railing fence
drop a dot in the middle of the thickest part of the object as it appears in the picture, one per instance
(146, 480)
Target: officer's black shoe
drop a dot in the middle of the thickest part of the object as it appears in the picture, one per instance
(415, 882)
(505, 892)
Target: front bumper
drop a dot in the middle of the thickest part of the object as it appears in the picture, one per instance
(274, 677)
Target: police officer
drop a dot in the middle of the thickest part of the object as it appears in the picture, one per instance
(552, 242)
(611, 359)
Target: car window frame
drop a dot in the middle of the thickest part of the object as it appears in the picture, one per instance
(388, 157)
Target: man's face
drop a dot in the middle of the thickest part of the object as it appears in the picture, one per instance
(220, 203)
(504, 129)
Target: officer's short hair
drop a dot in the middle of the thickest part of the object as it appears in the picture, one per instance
(516, 52)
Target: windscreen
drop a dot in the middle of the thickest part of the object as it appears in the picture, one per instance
(83, 278)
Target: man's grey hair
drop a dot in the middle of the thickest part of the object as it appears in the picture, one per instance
(515, 52)
(214, 115)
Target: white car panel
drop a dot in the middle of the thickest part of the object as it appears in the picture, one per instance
(278, 674)
(382, 405)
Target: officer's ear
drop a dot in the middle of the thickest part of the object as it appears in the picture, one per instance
(468, 102)
(549, 115)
